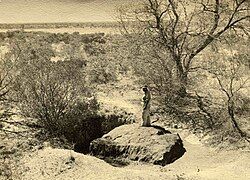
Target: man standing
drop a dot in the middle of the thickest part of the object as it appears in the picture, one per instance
(146, 107)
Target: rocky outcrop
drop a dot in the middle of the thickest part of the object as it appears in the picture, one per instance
(148, 144)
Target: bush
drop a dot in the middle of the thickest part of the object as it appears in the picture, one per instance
(5, 76)
(49, 91)
(55, 93)
(82, 124)
(101, 71)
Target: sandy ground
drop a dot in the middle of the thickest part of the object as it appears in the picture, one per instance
(56, 164)
(198, 163)
(124, 95)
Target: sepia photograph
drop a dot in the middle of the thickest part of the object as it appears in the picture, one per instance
(124, 89)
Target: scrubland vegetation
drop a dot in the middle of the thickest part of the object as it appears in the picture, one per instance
(198, 76)
(51, 79)
(183, 47)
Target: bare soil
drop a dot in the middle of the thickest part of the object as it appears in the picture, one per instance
(199, 162)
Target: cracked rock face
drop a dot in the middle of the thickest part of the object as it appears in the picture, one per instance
(148, 144)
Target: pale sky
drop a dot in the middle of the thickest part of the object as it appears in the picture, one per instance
(32, 11)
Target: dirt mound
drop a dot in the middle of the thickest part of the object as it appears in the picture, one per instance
(147, 144)
(66, 165)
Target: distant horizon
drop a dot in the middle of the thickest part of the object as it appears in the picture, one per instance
(83, 22)
(58, 11)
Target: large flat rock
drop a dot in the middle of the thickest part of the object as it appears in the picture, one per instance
(148, 144)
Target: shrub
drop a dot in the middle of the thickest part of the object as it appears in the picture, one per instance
(82, 124)
(101, 71)
(49, 91)
(55, 93)
(6, 78)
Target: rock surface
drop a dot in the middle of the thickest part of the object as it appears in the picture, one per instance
(147, 144)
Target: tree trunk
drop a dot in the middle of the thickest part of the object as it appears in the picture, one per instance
(231, 113)
(183, 85)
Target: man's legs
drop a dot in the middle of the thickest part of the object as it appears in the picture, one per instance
(146, 117)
